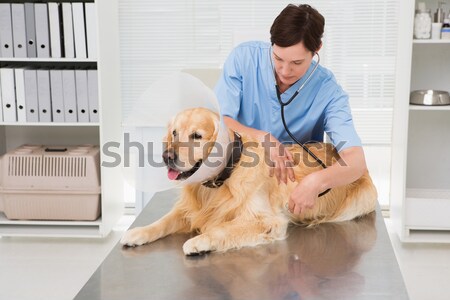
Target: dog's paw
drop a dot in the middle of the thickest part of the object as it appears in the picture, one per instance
(135, 237)
(198, 245)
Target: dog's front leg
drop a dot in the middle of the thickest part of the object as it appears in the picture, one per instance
(171, 223)
(237, 234)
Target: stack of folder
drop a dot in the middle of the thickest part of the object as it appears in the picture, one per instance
(48, 30)
(30, 95)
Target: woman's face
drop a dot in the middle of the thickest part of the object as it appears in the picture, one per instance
(291, 63)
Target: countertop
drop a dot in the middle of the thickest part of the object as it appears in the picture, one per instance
(349, 260)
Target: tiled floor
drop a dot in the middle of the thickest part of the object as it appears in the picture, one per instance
(58, 268)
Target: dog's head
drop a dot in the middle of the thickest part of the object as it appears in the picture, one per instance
(190, 137)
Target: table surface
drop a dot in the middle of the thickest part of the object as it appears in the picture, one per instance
(350, 260)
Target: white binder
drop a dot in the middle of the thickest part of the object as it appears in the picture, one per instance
(78, 30)
(91, 30)
(82, 95)
(8, 95)
(69, 50)
(55, 32)
(31, 95)
(57, 96)
(20, 95)
(19, 33)
(45, 109)
(42, 30)
(70, 96)
(30, 30)
(93, 95)
(6, 38)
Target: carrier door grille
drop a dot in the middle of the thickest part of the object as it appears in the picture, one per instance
(54, 166)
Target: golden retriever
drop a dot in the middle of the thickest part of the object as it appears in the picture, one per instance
(249, 208)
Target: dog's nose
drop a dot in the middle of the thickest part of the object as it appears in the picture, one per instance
(169, 155)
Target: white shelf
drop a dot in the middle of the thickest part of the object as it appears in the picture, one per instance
(46, 60)
(429, 235)
(50, 228)
(93, 124)
(431, 41)
(428, 193)
(429, 107)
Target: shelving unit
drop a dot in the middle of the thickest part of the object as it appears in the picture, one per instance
(108, 129)
(420, 182)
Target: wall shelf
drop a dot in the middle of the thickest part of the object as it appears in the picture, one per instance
(22, 62)
(431, 41)
(93, 124)
(429, 108)
(50, 228)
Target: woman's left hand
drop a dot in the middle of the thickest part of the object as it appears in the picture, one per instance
(304, 195)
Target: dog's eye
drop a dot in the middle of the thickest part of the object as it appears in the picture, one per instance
(174, 133)
(195, 136)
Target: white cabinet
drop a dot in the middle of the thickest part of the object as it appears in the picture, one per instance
(108, 129)
(420, 178)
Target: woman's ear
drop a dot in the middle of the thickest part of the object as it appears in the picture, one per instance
(318, 49)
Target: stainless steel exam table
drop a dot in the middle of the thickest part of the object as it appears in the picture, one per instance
(350, 260)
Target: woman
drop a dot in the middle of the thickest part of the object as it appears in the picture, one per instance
(247, 93)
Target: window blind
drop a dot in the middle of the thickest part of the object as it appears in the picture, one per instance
(159, 37)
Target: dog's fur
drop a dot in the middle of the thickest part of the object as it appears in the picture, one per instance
(250, 207)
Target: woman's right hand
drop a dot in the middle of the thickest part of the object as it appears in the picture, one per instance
(280, 159)
(276, 155)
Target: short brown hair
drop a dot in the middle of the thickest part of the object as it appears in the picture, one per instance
(297, 24)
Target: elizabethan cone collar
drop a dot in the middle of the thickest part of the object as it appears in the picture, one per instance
(164, 99)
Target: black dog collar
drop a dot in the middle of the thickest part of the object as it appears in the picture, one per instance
(234, 159)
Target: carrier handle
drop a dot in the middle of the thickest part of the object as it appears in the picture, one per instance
(55, 149)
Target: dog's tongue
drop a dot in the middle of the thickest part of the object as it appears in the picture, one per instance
(172, 174)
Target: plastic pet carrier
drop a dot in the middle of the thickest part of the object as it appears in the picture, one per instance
(51, 183)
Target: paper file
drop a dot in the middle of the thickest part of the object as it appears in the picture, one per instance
(82, 95)
(45, 109)
(31, 96)
(20, 95)
(70, 96)
(8, 95)
(78, 30)
(42, 30)
(93, 95)
(55, 30)
(57, 95)
(30, 30)
(6, 38)
(19, 33)
(91, 30)
(69, 49)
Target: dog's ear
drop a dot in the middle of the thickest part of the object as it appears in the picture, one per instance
(216, 121)
(167, 139)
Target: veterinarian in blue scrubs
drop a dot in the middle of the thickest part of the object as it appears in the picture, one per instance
(248, 99)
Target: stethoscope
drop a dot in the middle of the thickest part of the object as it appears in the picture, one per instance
(284, 104)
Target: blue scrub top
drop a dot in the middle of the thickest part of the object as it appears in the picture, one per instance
(246, 92)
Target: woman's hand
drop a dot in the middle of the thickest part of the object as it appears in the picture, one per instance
(305, 194)
(280, 159)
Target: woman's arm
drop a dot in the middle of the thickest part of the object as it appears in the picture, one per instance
(280, 157)
(348, 169)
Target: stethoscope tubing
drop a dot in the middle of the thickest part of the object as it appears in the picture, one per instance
(283, 119)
